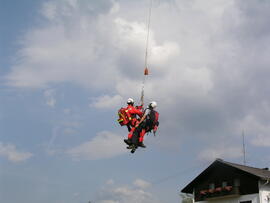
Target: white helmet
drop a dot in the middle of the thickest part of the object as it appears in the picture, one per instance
(153, 104)
(130, 101)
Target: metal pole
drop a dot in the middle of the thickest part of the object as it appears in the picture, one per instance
(244, 147)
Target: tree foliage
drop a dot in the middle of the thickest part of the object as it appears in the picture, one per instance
(186, 198)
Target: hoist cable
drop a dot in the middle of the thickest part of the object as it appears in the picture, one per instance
(146, 51)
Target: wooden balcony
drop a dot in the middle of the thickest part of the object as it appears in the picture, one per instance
(216, 193)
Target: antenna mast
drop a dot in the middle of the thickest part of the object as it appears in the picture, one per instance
(244, 147)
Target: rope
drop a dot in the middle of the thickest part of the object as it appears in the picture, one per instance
(146, 52)
(148, 31)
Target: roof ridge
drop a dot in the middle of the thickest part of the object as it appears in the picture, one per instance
(240, 164)
(259, 172)
(231, 163)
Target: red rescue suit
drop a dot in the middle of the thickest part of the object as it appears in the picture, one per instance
(131, 112)
(149, 123)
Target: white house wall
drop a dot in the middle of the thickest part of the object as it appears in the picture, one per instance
(253, 197)
(264, 191)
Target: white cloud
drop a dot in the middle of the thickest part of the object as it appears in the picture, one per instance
(70, 124)
(67, 111)
(49, 95)
(256, 125)
(141, 183)
(104, 145)
(49, 10)
(227, 152)
(115, 8)
(10, 152)
(72, 47)
(76, 194)
(107, 102)
(108, 201)
(110, 182)
(261, 140)
(133, 33)
(161, 54)
(202, 74)
(95, 52)
(69, 131)
(127, 193)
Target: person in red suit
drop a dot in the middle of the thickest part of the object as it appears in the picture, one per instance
(132, 112)
(147, 123)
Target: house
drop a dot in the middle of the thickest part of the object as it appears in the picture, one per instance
(226, 182)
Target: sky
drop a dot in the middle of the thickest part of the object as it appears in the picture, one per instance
(67, 66)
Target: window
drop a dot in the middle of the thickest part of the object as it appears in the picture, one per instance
(224, 184)
(249, 201)
(212, 186)
(236, 182)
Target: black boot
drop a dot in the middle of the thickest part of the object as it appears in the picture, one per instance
(128, 141)
(140, 144)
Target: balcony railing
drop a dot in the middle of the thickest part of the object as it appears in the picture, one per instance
(217, 192)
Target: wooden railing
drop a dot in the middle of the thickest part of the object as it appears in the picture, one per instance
(217, 192)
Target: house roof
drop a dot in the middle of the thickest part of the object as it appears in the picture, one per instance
(263, 174)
